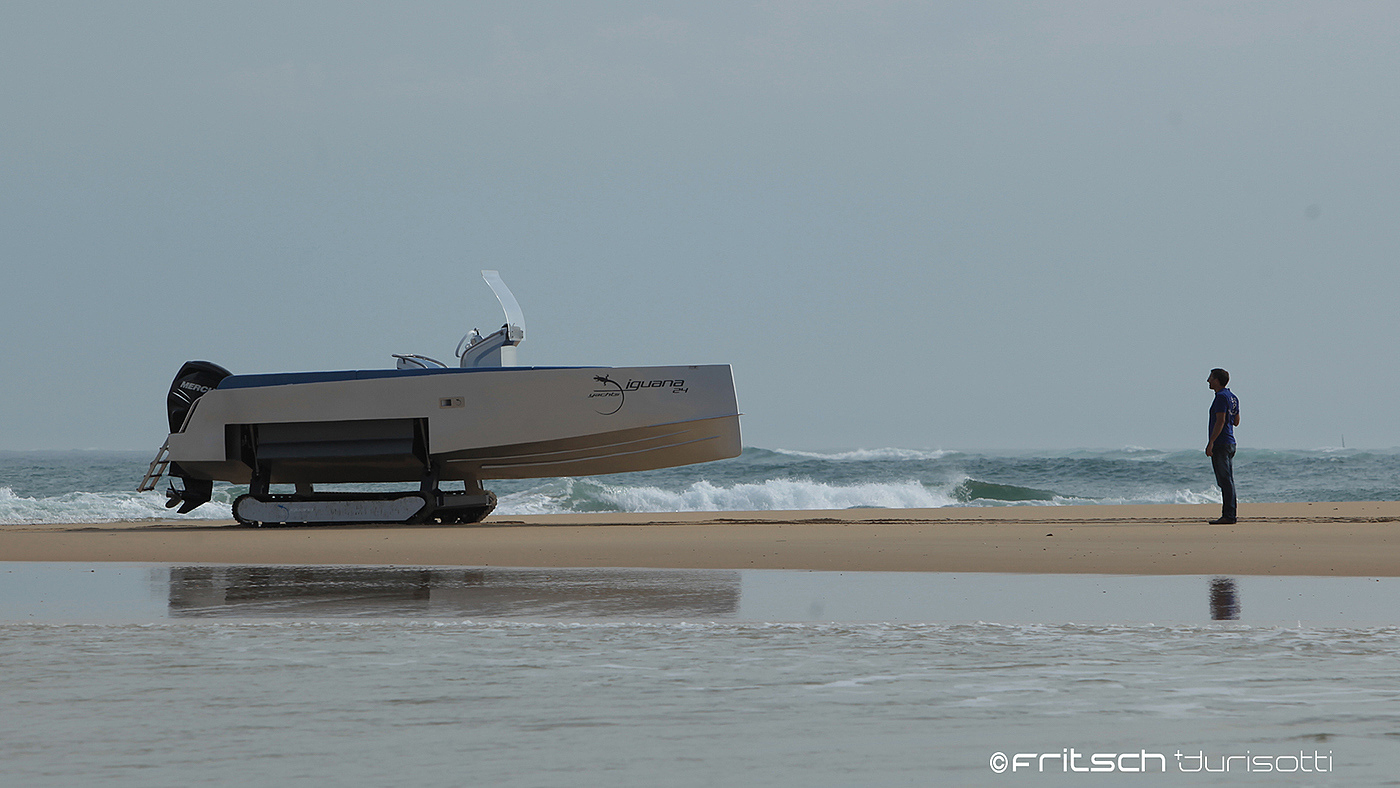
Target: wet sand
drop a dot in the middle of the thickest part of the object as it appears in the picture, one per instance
(1344, 539)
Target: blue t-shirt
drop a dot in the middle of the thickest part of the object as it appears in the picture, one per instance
(1225, 402)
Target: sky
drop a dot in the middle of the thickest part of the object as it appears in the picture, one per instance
(971, 226)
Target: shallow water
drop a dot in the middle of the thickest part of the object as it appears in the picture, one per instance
(378, 676)
(140, 593)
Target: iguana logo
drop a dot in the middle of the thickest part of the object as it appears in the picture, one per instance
(608, 390)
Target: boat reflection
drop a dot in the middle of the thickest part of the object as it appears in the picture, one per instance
(1224, 599)
(398, 592)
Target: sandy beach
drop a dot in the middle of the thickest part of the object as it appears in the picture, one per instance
(1344, 539)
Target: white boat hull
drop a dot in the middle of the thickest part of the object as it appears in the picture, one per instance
(463, 424)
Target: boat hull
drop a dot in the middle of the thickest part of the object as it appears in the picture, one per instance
(457, 424)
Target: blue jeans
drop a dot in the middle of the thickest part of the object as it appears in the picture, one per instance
(1222, 459)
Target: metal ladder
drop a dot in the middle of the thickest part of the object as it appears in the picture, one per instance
(157, 469)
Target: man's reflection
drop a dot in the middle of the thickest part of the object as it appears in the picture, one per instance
(1224, 599)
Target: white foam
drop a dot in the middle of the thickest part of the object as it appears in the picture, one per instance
(89, 507)
(550, 498)
(776, 494)
(1211, 495)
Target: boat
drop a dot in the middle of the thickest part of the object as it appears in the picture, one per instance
(424, 426)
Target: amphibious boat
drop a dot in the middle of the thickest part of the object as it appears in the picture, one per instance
(426, 424)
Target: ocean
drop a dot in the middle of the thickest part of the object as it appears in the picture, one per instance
(98, 486)
(165, 675)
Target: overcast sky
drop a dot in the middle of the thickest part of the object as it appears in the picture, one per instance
(930, 225)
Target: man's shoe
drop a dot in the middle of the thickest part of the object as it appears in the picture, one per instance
(1223, 521)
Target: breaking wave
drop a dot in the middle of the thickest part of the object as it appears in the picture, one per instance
(580, 495)
(566, 496)
(576, 495)
(99, 507)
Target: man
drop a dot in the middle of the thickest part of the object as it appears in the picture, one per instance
(1224, 417)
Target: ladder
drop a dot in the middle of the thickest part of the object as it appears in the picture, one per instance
(157, 469)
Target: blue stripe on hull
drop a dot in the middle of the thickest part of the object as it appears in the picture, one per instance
(292, 378)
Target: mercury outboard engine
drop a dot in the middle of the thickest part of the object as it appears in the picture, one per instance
(193, 380)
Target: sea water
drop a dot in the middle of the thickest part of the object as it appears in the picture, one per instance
(167, 675)
(99, 486)
(170, 675)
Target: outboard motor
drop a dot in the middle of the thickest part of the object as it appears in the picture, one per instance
(194, 380)
(191, 382)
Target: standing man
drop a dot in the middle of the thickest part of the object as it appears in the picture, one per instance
(1224, 417)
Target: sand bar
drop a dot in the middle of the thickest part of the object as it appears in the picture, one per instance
(1351, 539)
